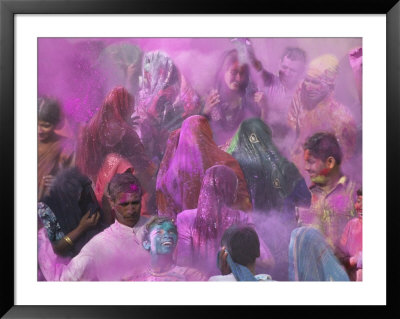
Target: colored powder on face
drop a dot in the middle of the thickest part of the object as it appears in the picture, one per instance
(134, 188)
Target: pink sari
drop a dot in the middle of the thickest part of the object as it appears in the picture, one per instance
(190, 151)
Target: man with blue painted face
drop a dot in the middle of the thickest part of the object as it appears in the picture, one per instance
(159, 239)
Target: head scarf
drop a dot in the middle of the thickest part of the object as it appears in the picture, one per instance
(190, 152)
(240, 272)
(71, 196)
(270, 177)
(164, 93)
(312, 259)
(324, 67)
(114, 112)
(165, 100)
(214, 213)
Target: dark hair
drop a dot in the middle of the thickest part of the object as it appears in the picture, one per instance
(156, 221)
(242, 243)
(123, 183)
(295, 54)
(322, 145)
(49, 110)
(359, 192)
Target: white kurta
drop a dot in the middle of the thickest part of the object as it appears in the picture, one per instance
(110, 255)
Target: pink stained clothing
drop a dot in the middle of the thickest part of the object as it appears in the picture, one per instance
(351, 240)
(330, 211)
(176, 273)
(206, 258)
(351, 246)
(51, 265)
(111, 255)
(190, 151)
(113, 164)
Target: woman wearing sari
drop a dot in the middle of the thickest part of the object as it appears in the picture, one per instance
(200, 230)
(232, 99)
(71, 216)
(275, 185)
(312, 259)
(165, 100)
(54, 151)
(109, 145)
(190, 151)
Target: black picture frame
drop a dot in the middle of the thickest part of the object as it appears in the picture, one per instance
(8, 10)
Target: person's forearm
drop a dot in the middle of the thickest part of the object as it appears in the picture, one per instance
(65, 244)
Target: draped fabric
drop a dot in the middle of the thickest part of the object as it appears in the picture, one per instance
(214, 213)
(200, 230)
(69, 200)
(190, 152)
(113, 164)
(51, 265)
(53, 156)
(274, 183)
(165, 100)
(110, 132)
(312, 259)
(240, 272)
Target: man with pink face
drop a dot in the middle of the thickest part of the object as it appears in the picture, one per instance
(333, 193)
(117, 251)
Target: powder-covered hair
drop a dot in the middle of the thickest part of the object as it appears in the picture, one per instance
(49, 110)
(123, 183)
(295, 54)
(323, 145)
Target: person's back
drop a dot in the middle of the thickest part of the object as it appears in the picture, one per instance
(237, 257)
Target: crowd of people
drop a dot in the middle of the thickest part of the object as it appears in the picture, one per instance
(245, 183)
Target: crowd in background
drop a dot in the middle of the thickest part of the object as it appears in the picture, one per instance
(247, 182)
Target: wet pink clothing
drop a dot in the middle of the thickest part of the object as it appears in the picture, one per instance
(176, 273)
(330, 211)
(51, 265)
(111, 255)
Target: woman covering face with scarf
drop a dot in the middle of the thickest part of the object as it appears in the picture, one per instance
(200, 230)
(109, 145)
(165, 100)
(274, 183)
(190, 152)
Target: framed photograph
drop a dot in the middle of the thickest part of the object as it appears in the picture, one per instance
(77, 51)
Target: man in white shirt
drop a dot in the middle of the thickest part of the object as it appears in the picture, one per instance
(117, 251)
